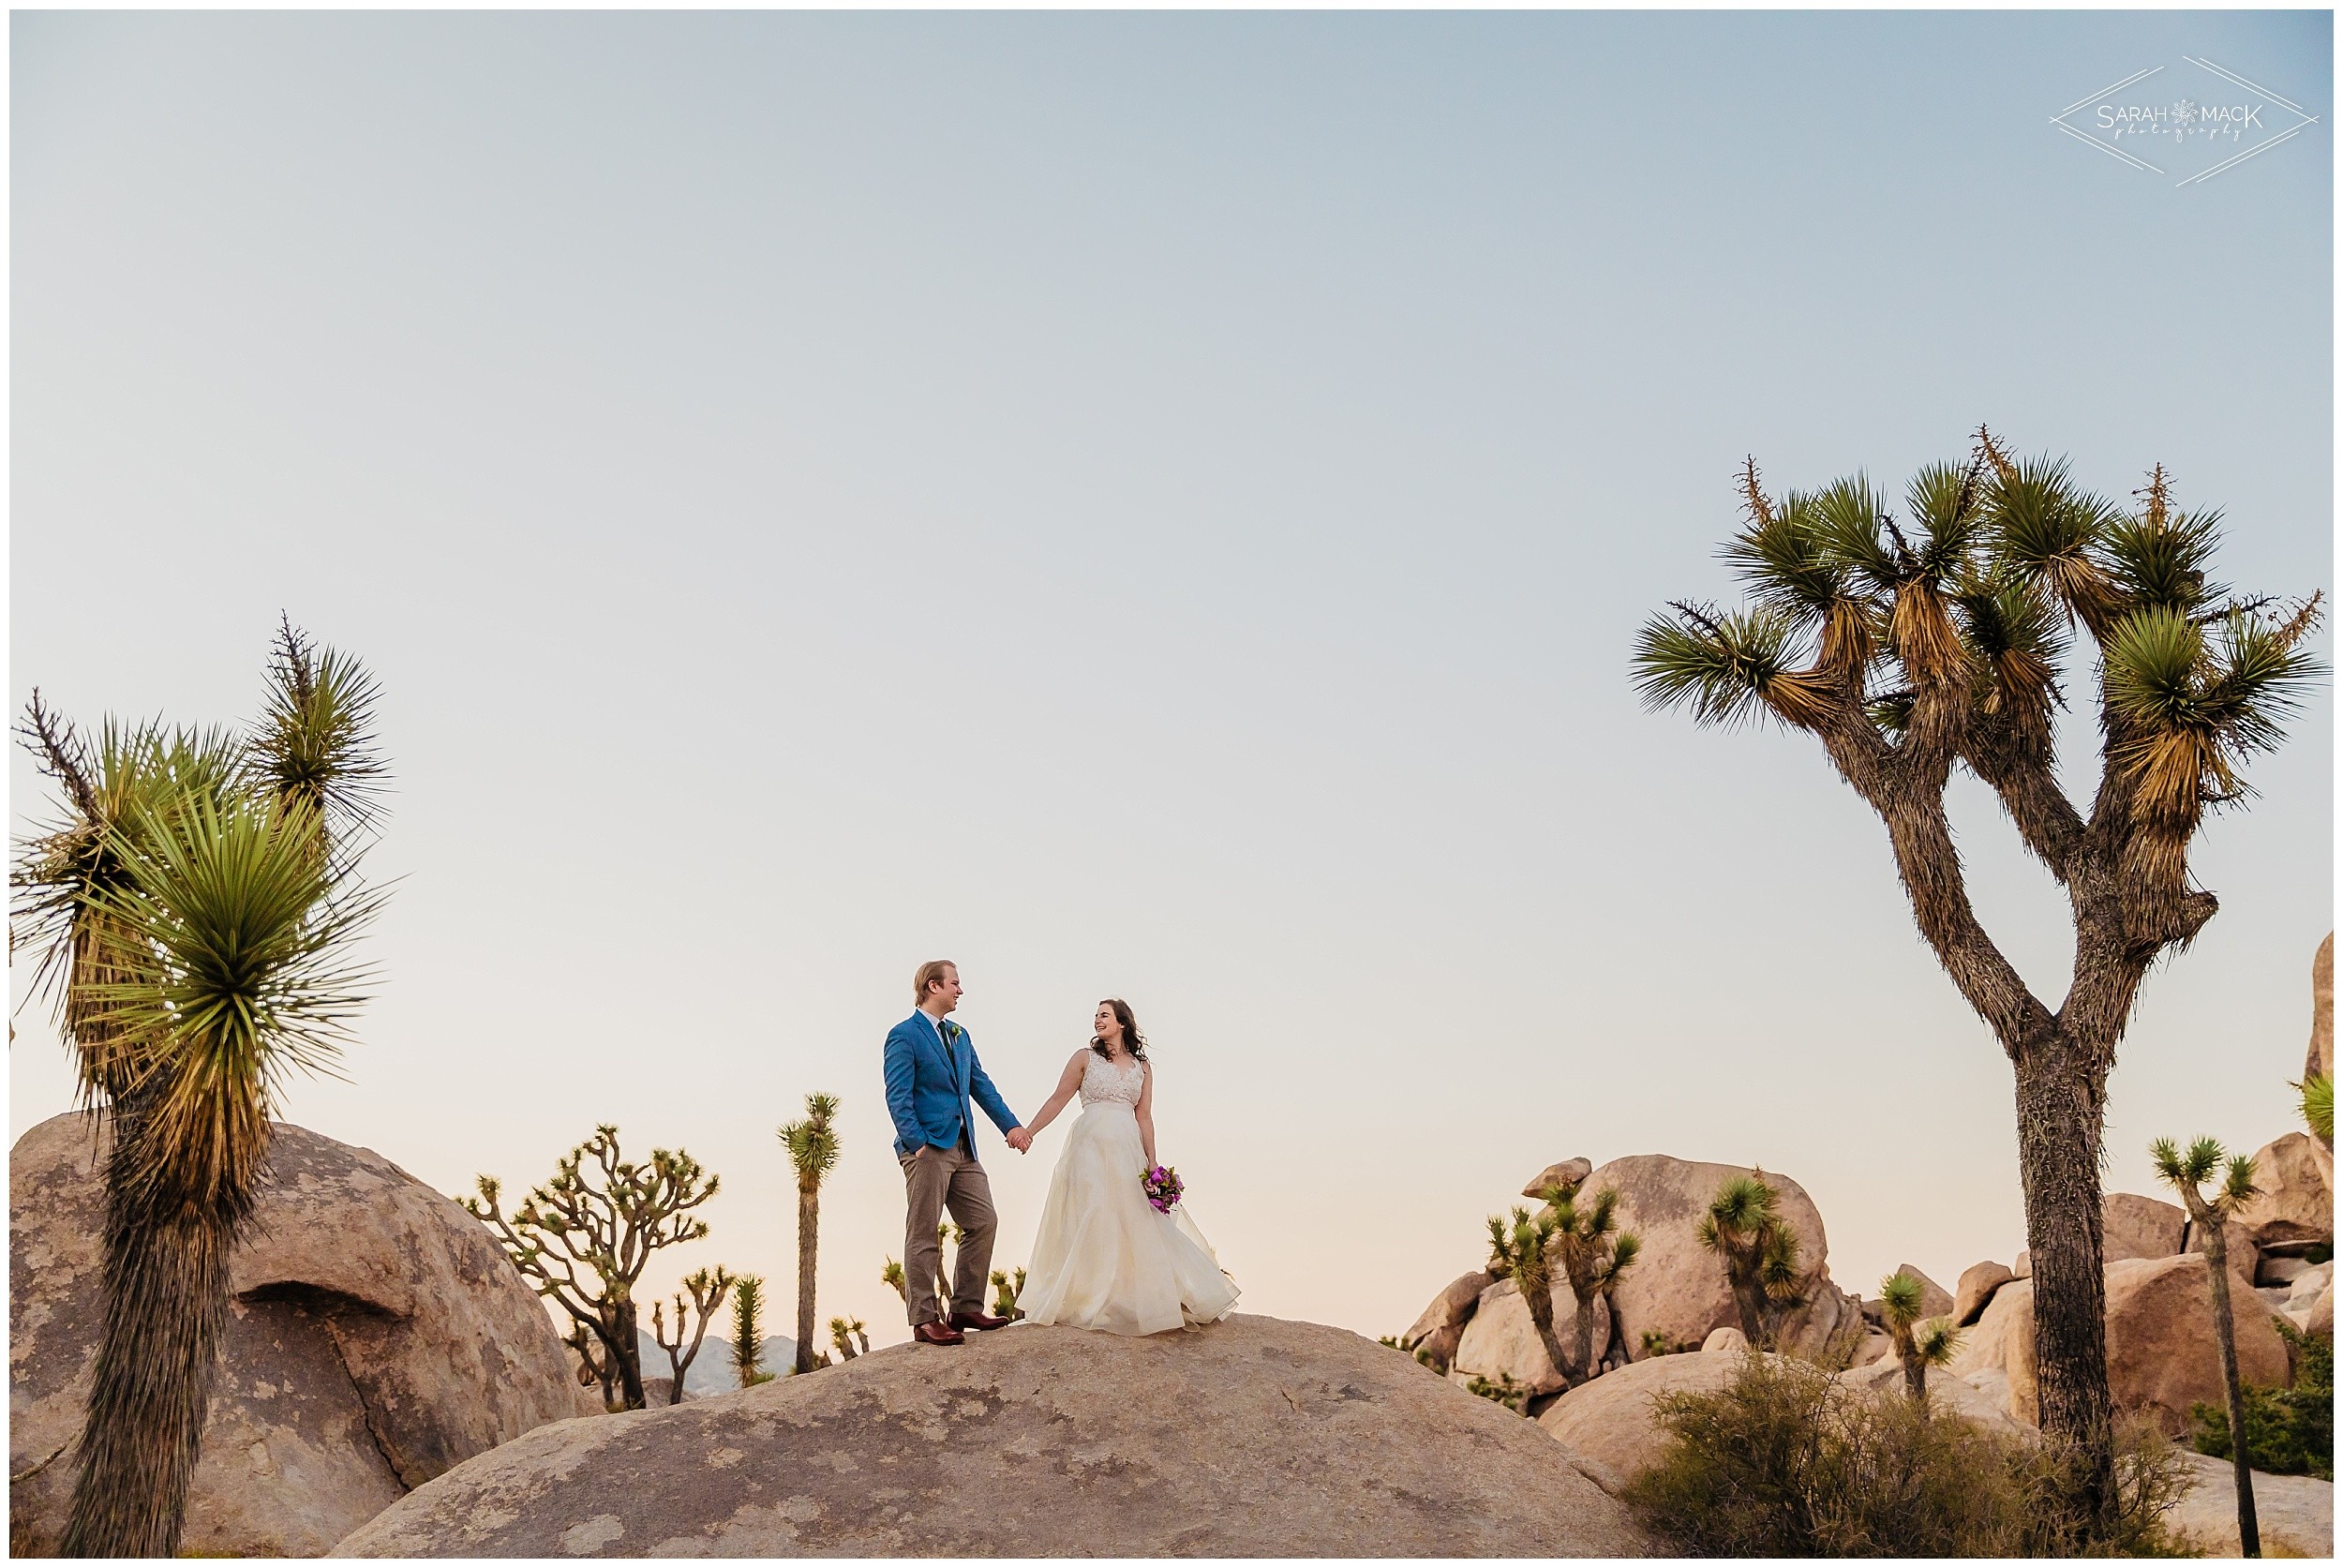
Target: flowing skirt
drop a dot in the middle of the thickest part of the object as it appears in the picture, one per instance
(1104, 1258)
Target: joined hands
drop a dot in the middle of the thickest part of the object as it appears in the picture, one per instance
(1019, 1139)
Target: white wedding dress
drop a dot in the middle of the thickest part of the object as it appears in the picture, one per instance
(1104, 1258)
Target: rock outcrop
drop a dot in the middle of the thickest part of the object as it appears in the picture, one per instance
(1678, 1287)
(377, 1337)
(1501, 1341)
(2161, 1352)
(2138, 1227)
(2296, 1208)
(2320, 1056)
(1978, 1283)
(1564, 1173)
(1437, 1331)
(1253, 1438)
(2295, 1514)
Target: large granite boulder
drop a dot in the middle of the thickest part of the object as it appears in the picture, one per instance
(2162, 1355)
(377, 1337)
(1253, 1438)
(1501, 1341)
(1443, 1324)
(2294, 1514)
(2137, 1226)
(1678, 1287)
(2320, 1056)
(1609, 1424)
(2296, 1210)
(1978, 1283)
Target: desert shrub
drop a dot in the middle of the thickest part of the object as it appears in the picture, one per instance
(1504, 1391)
(1787, 1462)
(2288, 1431)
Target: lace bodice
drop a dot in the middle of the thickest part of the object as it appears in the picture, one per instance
(1103, 1082)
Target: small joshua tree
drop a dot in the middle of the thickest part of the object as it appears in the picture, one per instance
(813, 1145)
(747, 1330)
(1593, 1255)
(2186, 1173)
(583, 1238)
(1005, 1293)
(1523, 1253)
(844, 1332)
(893, 1274)
(1744, 1226)
(1918, 1345)
(707, 1288)
(2317, 1092)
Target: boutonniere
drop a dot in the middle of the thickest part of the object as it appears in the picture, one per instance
(952, 1033)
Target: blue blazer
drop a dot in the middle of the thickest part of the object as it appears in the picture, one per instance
(928, 1088)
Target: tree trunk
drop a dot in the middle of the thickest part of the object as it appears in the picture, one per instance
(2225, 1325)
(1915, 1380)
(1582, 1333)
(809, 1233)
(627, 1350)
(165, 1303)
(2059, 1116)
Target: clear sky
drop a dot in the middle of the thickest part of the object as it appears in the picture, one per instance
(1152, 505)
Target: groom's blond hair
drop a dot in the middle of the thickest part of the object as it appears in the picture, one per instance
(929, 974)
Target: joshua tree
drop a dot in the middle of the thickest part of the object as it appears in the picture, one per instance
(813, 1145)
(2186, 1173)
(1005, 1293)
(1593, 1255)
(893, 1274)
(1918, 1345)
(1908, 649)
(1523, 1252)
(844, 1332)
(606, 1223)
(190, 905)
(1744, 1226)
(747, 1330)
(707, 1288)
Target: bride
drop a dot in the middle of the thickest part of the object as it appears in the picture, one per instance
(1105, 1259)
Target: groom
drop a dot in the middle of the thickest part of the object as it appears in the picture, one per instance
(932, 1071)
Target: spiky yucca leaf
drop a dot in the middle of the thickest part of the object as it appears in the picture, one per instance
(1847, 521)
(2017, 639)
(315, 741)
(1728, 667)
(2157, 557)
(2237, 1184)
(2317, 1093)
(1899, 1297)
(1937, 1341)
(2191, 1168)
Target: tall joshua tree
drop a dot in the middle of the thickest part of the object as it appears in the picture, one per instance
(1910, 648)
(2186, 1173)
(1593, 1255)
(1918, 1345)
(1744, 1227)
(192, 906)
(813, 1145)
(1523, 1252)
(707, 1290)
(583, 1238)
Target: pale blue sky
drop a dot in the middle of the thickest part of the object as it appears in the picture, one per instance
(1154, 505)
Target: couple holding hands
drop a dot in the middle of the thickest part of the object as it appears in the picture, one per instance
(1108, 1255)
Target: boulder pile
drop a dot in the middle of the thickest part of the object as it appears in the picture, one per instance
(377, 1337)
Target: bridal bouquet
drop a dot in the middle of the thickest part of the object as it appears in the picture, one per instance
(1163, 1186)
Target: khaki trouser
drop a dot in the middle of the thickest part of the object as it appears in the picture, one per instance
(935, 1179)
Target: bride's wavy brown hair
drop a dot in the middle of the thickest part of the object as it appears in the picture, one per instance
(1133, 1041)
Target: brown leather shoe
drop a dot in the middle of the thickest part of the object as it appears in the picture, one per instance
(938, 1334)
(980, 1321)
